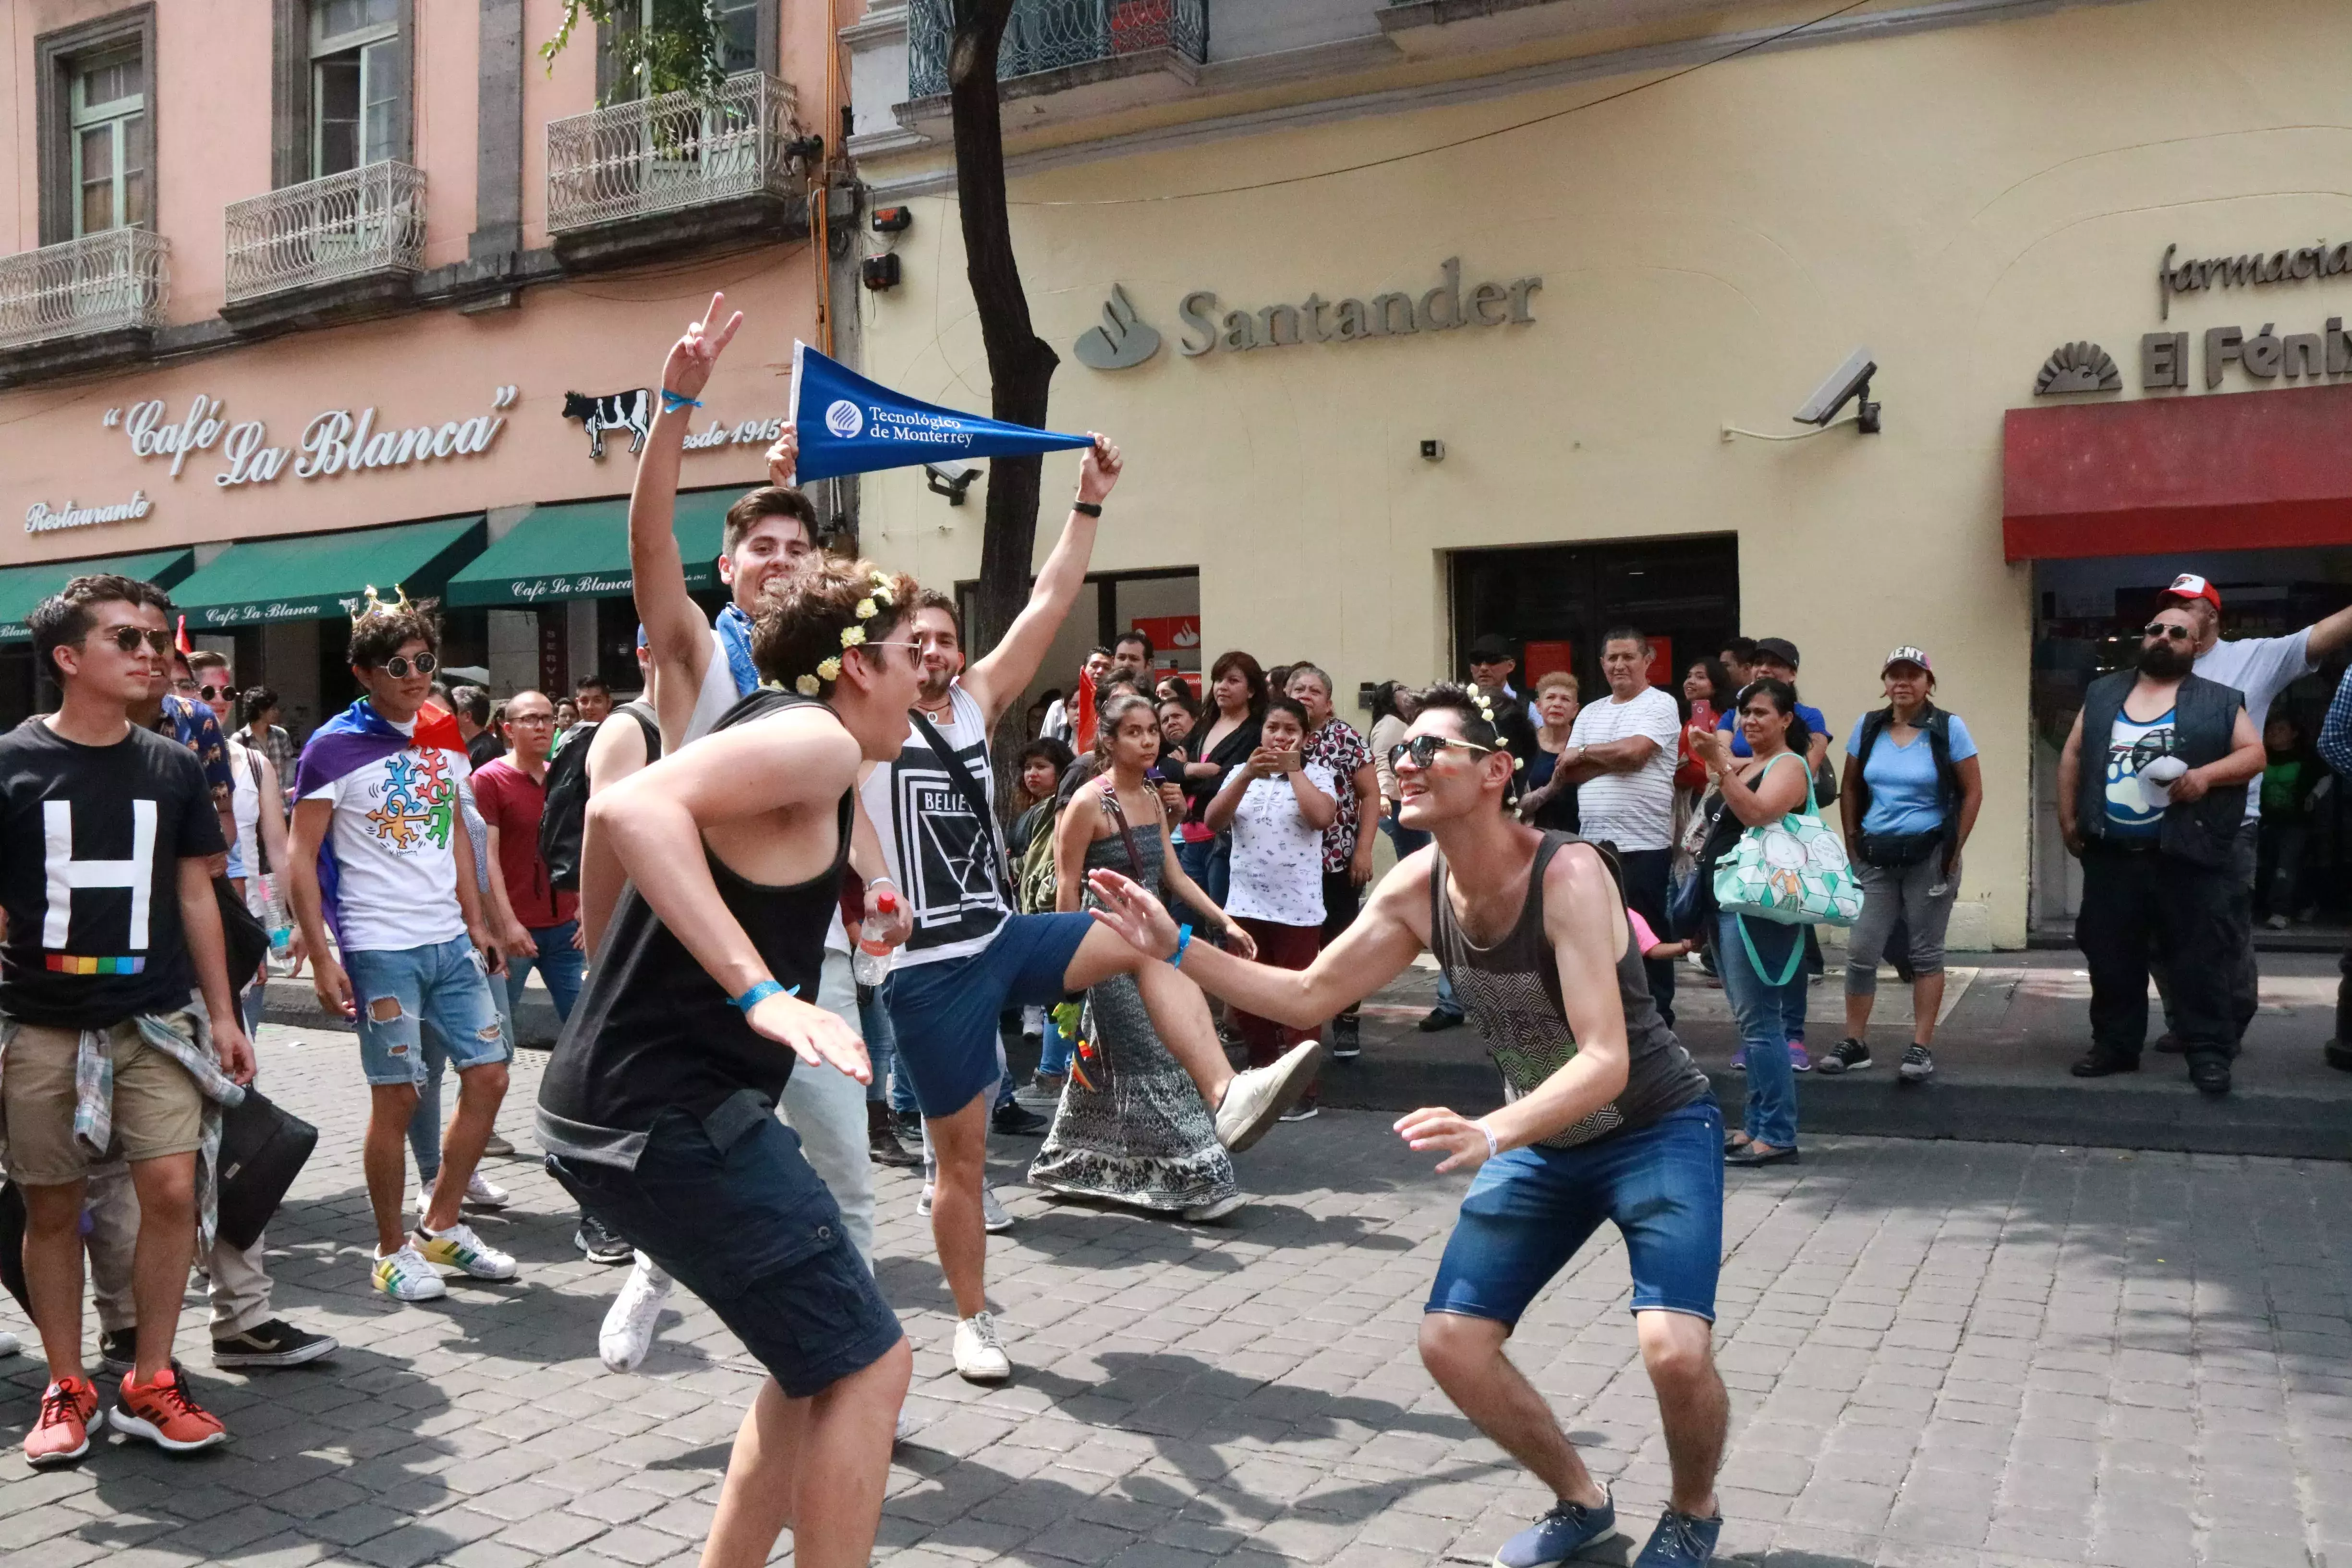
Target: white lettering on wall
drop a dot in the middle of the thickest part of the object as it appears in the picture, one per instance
(42, 518)
(336, 441)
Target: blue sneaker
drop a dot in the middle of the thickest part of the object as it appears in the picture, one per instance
(1558, 1535)
(1681, 1540)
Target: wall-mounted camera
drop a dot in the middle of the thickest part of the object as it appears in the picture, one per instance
(951, 478)
(1848, 382)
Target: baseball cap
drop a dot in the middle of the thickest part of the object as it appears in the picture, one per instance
(1907, 654)
(2188, 585)
(1780, 649)
(1490, 646)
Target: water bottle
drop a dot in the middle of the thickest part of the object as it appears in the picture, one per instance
(871, 963)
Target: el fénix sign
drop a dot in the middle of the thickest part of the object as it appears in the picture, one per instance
(1211, 325)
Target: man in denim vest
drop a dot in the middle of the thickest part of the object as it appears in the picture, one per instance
(2156, 821)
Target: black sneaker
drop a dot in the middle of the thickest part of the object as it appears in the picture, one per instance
(1347, 1043)
(2170, 1044)
(273, 1344)
(1012, 1119)
(2210, 1076)
(2099, 1063)
(1918, 1063)
(1848, 1054)
(118, 1351)
(1439, 1018)
(599, 1245)
(909, 1124)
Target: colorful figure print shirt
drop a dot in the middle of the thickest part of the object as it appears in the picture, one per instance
(191, 724)
(395, 821)
(2131, 746)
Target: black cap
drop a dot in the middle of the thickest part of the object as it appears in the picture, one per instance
(1780, 649)
(1490, 648)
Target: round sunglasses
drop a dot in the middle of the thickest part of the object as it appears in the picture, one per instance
(399, 664)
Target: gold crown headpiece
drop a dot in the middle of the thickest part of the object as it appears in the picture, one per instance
(373, 604)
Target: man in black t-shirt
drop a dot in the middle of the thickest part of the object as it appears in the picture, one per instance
(105, 832)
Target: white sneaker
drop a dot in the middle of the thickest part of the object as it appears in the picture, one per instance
(979, 1354)
(1256, 1099)
(405, 1276)
(458, 1247)
(481, 1192)
(8, 1344)
(1215, 1208)
(994, 1218)
(907, 1428)
(628, 1331)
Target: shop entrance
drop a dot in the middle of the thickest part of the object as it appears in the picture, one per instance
(1554, 601)
(2086, 621)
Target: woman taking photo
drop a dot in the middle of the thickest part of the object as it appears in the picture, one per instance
(1230, 734)
(1760, 961)
(1912, 790)
(1131, 1126)
(1276, 806)
(1550, 801)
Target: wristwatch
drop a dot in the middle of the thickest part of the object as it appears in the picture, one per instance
(1087, 507)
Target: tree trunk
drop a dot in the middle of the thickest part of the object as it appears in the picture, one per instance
(1020, 364)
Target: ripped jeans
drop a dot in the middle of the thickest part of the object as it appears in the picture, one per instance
(402, 994)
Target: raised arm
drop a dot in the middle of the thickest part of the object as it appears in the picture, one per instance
(1386, 937)
(1006, 671)
(2328, 635)
(677, 631)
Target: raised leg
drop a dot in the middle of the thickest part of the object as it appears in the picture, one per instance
(1180, 1014)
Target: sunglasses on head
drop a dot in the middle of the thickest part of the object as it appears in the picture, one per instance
(399, 664)
(2166, 629)
(1424, 749)
(127, 639)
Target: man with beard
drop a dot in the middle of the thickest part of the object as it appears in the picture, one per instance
(2156, 821)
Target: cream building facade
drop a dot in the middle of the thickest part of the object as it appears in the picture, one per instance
(1619, 234)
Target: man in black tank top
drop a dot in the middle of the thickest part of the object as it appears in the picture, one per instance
(1606, 1117)
(657, 1107)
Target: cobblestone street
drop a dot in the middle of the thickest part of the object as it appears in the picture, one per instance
(1939, 1354)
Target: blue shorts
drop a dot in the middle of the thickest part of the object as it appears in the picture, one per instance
(730, 1207)
(1530, 1209)
(401, 993)
(944, 1014)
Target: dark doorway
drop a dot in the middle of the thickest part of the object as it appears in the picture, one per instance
(1553, 601)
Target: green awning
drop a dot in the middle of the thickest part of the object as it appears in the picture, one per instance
(24, 587)
(580, 549)
(321, 575)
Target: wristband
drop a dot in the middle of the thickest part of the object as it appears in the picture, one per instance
(1184, 941)
(1492, 1148)
(674, 401)
(877, 881)
(1087, 507)
(759, 994)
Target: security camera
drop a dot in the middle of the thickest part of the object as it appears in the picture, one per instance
(1848, 382)
(951, 478)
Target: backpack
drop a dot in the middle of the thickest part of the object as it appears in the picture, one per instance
(566, 812)
(1035, 892)
(1938, 727)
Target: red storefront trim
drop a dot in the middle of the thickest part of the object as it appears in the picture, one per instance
(2159, 475)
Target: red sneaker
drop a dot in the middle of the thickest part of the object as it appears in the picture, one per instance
(62, 1433)
(163, 1412)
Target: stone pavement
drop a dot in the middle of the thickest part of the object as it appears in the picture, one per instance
(1942, 1353)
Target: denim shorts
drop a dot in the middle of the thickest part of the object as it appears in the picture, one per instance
(944, 1014)
(1530, 1209)
(401, 993)
(731, 1209)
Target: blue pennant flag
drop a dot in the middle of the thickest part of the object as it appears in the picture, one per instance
(848, 425)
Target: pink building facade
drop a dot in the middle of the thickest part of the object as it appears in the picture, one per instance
(293, 292)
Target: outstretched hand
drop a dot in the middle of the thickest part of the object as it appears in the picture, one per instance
(1434, 1127)
(816, 1036)
(1101, 472)
(1137, 917)
(693, 357)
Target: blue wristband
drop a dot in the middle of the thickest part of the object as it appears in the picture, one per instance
(1184, 941)
(674, 401)
(759, 994)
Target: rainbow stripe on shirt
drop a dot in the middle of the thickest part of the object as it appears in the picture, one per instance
(76, 964)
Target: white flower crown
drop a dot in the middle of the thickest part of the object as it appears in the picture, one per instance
(877, 597)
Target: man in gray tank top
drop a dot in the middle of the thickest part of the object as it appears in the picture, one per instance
(1606, 1115)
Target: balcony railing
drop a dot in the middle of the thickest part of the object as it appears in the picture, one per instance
(103, 283)
(363, 222)
(1048, 35)
(671, 151)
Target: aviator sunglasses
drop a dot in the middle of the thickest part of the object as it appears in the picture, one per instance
(2166, 629)
(399, 664)
(1424, 749)
(127, 639)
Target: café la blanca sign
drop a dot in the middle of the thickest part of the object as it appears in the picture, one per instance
(334, 441)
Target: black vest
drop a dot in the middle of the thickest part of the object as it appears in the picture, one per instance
(2205, 716)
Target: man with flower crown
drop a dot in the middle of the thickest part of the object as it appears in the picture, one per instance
(381, 859)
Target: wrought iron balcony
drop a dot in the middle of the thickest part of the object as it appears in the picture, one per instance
(671, 152)
(366, 222)
(103, 283)
(1051, 35)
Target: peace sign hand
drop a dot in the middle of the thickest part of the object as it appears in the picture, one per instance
(693, 356)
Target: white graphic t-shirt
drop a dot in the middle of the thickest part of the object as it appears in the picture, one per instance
(2131, 746)
(398, 873)
(2260, 668)
(1635, 810)
(1277, 866)
(939, 855)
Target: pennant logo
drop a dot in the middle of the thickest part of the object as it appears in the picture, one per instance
(849, 424)
(845, 419)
